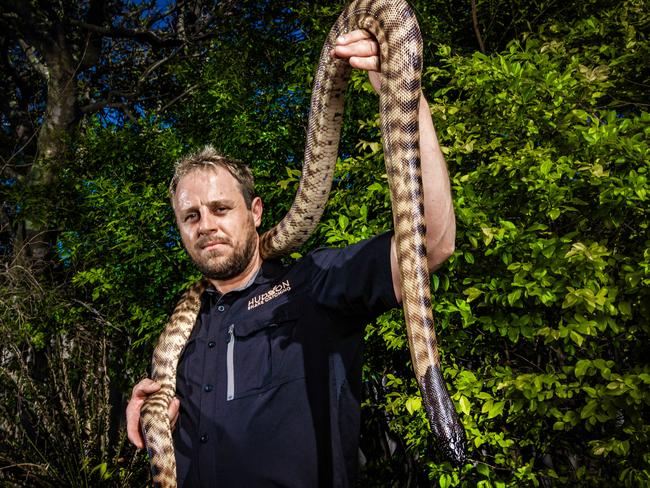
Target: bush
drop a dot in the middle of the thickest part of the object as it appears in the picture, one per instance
(543, 310)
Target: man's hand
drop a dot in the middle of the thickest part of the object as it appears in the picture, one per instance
(361, 50)
(140, 393)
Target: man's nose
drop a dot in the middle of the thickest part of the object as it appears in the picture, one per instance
(209, 223)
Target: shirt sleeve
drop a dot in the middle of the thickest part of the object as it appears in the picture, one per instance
(355, 281)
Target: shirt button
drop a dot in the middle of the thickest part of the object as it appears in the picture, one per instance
(208, 388)
(204, 438)
(221, 308)
(211, 344)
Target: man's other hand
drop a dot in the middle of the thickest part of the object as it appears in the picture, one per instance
(140, 393)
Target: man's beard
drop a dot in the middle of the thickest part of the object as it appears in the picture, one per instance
(232, 265)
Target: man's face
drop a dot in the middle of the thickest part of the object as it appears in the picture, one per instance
(217, 229)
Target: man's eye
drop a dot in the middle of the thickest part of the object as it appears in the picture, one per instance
(190, 217)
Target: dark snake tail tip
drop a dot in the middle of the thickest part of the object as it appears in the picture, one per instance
(450, 437)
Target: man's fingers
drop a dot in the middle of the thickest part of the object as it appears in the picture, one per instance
(172, 411)
(355, 43)
(366, 63)
(354, 36)
(133, 424)
(144, 388)
(140, 392)
(362, 48)
(375, 80)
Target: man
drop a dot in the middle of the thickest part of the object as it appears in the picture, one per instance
(268, 385)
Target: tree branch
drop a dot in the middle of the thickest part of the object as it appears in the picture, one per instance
(30, 52)
(95, 107)
(146, 36)
(155, 66)
(477, 31)
(162, 15)
(177, 98)
(93, 43)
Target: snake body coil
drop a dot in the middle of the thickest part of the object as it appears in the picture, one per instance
(395, 27)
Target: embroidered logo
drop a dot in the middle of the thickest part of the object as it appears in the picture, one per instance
(274, 292)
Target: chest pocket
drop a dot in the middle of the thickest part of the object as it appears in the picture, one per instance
(262, 354)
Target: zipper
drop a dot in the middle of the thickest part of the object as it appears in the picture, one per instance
(230, 364)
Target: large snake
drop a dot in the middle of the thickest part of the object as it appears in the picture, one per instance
(394, 25)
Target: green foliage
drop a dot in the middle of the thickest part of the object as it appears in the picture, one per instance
(121, 243)
(543, 310)
(58, 405)
(542, 313)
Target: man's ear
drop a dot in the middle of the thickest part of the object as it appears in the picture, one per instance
(257, 208)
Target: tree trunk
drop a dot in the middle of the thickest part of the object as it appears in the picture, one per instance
(54, 137)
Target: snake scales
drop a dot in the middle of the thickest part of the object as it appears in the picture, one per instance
(395, 27)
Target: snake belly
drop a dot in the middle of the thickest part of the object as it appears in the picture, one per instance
(394, 25)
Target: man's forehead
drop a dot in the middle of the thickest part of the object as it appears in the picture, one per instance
(183, 200)
(211, 183)
(203, 172)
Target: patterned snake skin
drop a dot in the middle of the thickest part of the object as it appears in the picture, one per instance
(394, 25)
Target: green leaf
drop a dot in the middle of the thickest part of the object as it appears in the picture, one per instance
(413, 404)
(577, 338)
(343, 221)
(464, 405)
(589, 409)
(472, 293)
(514, 296)
(625, 308)
(496, 409)
(435, 281)
(483, 469)
(444, 481)
(582, 367)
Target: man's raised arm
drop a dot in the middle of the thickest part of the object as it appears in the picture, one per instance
(361, 51)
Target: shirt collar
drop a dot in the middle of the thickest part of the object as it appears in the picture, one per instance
(269, 270)
(264, 274)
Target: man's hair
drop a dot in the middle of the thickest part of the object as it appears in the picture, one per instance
(209, 158)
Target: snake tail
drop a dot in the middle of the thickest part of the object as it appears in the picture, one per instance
(442, 417)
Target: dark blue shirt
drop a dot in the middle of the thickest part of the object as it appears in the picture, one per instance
(270, 378)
